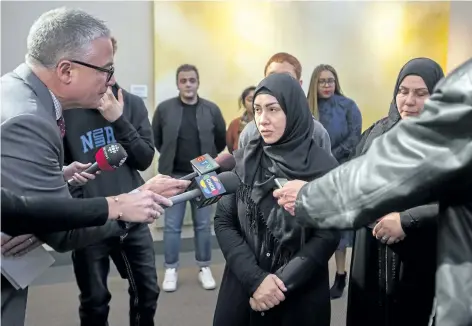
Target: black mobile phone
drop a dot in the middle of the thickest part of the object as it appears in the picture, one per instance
(280, 182)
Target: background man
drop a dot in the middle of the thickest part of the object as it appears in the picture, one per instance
(186, 127)
(121, 117)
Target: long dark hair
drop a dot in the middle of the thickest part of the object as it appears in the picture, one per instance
(244, 94)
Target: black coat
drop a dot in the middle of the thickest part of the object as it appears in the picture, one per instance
(393, 285)
(249, 260)
(24, 215)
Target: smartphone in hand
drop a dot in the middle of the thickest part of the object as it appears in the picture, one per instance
(280, 182)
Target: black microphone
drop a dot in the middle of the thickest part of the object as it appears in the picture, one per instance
(209, 189)
(108, 158)
(205, 164)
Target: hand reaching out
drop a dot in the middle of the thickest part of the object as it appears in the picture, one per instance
(287, 195)
(139, 207)
(75, 172)
(165, 186)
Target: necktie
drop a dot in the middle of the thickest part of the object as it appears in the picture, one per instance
(62, 126)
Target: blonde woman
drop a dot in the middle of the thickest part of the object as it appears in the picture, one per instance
(342, 119)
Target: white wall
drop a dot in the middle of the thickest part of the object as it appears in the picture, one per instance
(460, 34)
(131, 22)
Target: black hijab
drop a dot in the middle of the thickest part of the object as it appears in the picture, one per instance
(294, 156)
(431, 73)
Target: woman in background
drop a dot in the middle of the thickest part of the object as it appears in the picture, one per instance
(238, 124)
(393, 263)
(342, 119)
(276, 270)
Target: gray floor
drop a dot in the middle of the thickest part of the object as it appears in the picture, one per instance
(53, 298)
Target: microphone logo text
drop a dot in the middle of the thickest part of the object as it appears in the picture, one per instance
(211, 185)
(203, 164)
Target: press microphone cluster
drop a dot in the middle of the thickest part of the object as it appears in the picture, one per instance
(107, 158)
(209, 188)
(205, 164)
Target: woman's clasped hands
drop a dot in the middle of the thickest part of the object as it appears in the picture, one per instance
(269, 294)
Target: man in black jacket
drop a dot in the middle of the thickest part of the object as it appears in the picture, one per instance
(122, 117)
(186, 127)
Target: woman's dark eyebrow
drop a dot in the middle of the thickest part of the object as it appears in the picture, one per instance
(266, 105)
(416, 89)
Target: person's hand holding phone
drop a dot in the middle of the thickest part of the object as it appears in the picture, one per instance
(287, 195)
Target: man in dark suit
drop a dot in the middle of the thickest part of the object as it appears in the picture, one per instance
(39, 214)
(69, 64)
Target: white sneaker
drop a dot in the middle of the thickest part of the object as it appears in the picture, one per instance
(170, 280)
(206, 279)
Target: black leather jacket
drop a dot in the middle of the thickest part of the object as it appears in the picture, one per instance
(421, 160)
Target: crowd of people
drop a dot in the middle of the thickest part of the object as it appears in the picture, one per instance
(65, 98)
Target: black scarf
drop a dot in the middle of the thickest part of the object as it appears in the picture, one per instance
(294, 156)
(430, 71)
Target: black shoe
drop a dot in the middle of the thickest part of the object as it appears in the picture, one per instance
(338, 287)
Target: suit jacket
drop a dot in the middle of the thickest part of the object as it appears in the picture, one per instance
(32, 153)
(420, 160)
(39, 214)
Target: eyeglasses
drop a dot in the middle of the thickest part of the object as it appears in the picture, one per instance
(329, 81)
(109, 71)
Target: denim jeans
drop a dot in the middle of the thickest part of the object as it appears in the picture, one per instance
(134, 258)
(173, 220)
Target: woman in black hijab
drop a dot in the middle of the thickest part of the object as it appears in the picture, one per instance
(393, 263)
(276, 271)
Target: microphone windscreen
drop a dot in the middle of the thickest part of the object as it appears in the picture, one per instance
(230, 181)
(226, 162)
(111, 157)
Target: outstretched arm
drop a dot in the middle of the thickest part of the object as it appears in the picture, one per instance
(417, 154)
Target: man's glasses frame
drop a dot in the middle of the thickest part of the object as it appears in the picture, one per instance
(109, 71)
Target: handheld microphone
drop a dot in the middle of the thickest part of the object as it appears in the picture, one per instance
(209, 189)
(108, 158)
(206, 164)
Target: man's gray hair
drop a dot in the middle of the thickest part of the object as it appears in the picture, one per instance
(63, 33)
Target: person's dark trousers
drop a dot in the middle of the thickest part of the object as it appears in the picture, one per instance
(134, 258)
